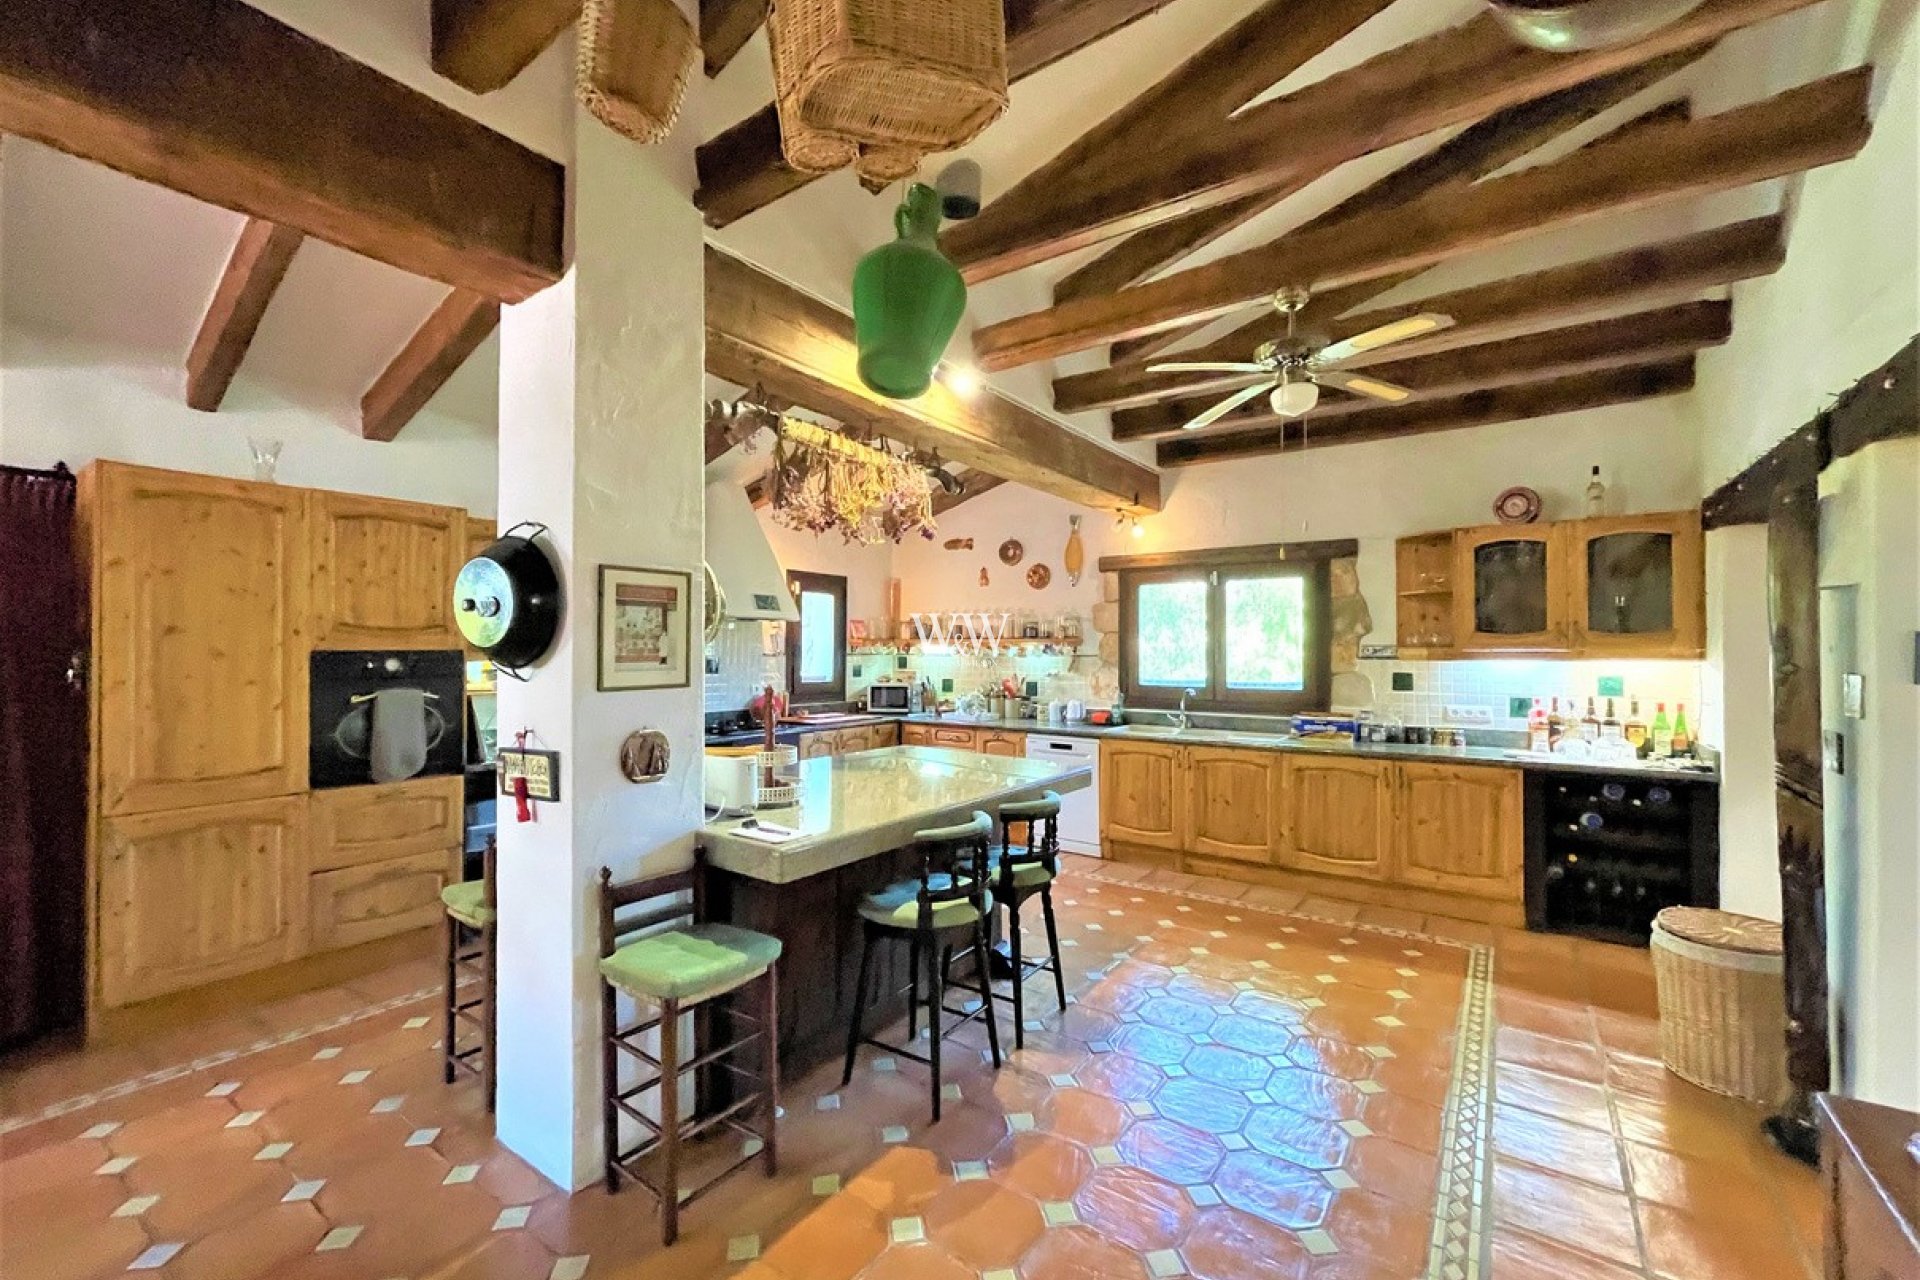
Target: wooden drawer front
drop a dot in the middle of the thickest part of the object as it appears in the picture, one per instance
(1012, 745)
(916, 735)
(1338, 817)
(194, 896)
(383, 573)
(359, 904)
(955, 739)
(1460, 829)
(357, 825)
(815, 745)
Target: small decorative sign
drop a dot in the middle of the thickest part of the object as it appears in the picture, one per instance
(541, 769)
(643, 628)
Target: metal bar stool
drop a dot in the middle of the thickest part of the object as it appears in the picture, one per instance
(677, 970)
(947, 905)
(1018, 872)
(471, 953)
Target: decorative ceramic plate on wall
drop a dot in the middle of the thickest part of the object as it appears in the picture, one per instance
(1518, 505)
(1039, 576)
(1011, 551)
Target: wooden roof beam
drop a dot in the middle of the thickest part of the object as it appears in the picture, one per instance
(1800, 129)
(742, 169)
(1463, 74)
(972, 485)
(1423, 417)
(1646, 337)
(253, 272)
(215, 99)
(725, 28)
(439, 347)
(762, 331)
(482, 44)
(1671, 271)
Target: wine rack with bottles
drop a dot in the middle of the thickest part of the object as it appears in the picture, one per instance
(1606, 852)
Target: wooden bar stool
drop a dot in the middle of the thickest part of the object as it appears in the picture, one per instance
(676, 970)
(947, 905)
(1018, 872)
(471, 953)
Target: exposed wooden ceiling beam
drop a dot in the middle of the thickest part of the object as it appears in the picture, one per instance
(483, 44)
(1801, 129)
(763, 331)
(742, 169)
(1421, 417)
(972, 485)
(1670, 271)
(1462, 74)
(1472, 154)
(439, 347)
(1621, 342)
(725, 28)
(215, 99)
(254, 270)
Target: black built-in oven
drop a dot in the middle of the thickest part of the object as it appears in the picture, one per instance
(343, 687)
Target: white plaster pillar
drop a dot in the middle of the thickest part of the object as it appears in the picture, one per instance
(601, 388)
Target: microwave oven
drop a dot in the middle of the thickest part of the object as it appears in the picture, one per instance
(890, 699)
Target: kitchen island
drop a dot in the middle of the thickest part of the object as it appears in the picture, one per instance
(855, 816)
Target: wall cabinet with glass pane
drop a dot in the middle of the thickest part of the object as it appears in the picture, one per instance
(1510, 589)
(1423, 595)
(1638, 585)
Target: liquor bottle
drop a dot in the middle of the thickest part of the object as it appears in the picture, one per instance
(1662, 731)
(1682, 736)
(1636, 728)
(1596, 495)
(1556, 725)
(1537, 727)
(1610, 727)
(1590, 724)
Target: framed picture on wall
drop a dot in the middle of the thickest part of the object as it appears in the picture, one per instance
(645, 641)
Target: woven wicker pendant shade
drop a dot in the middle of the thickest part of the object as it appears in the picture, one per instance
(886, 80)
(635, 59)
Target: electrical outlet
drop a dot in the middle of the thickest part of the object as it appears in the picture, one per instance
(1403, 682)
(1471, 715)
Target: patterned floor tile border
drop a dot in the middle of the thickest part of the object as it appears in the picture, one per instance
(80, 1102)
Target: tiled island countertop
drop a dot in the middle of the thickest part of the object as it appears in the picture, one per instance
(856, 806)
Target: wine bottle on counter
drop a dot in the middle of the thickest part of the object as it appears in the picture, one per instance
(1662, 732)
(1682, 736)
(1636, 728)
(1610, 727)
(1590, 724)
(1556, 724)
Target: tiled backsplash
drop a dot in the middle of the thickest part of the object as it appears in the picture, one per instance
(1490, 686)
(952, 674)
(745, 665)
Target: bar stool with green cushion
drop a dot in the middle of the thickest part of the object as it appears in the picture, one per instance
(946, 905)
(1017, 872)
(471, 954)
(657, 947)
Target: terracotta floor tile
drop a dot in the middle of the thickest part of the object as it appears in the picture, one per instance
(1391, 1169)
(1307, 1141)
(917, 1262)
(1598, 1221)
(984, 1224)
(1329, 909)
(1080, 1253)
(1135, 1208)
(1172, 1151)
(255, 1245)
(1262, 1037)
(69, 1250)
(1576, 1151)
(1389, 1234)
(1041, 1165)
(1521, 1255)
(1696, 1125)
(1200, 1105)
(1682, 1247)
(1268, 1187)
(1120, 1077)
(1315, 1094)
(1551, 1095)
(1226, 1244)
(1561, 1019)
(1724, 1190)
(1575, 1060)
(505, 1256)
(831, 1242)
(899, 1183)
(1083, 1116)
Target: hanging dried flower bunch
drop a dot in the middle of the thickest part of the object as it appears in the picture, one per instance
(823, 481)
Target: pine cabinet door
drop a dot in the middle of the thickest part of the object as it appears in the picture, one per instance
(353, 826)
(200, 638)
(1142, 796)
(378, 899)
(1638, 586)
(1011, 745)
(815, 746)
(193, 896)
(383, 573)
(916, 735)
(1460, 829)
(1510, 589)
(1338, 816)
(1232, 804)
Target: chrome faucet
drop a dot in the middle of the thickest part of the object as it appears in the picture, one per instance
(1180, 718)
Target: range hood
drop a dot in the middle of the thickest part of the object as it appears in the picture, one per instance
(750, 577)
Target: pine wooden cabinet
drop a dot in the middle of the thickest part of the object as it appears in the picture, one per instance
(1233, 803)
(1143, 795)
(192, 896)
(372, 900)
(999, 743)
(916, 735)
(355, 826)
(1339, 816)
(1459, 829)
(1637, 586)
(382, 572)
(1509, 587)
(199, 638)
(816, 746)
(954, 738)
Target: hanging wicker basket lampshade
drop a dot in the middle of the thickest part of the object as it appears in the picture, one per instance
(635, 59)
(894, 79)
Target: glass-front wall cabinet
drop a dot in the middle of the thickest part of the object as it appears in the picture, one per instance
(1510, 588)
(1637, 585)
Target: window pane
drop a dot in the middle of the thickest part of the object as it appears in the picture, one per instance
(818, 629)
(1267, 633)
(1170, 634)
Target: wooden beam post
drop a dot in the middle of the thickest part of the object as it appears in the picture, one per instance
(763, 331)
(1800, 129)
(440, 346)
(483, 44)
(215, 99)
(725, 28)
(258, 263)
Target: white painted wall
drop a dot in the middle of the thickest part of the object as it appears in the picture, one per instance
(1736, 715)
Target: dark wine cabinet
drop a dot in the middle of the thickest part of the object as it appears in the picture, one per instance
(1605, 851)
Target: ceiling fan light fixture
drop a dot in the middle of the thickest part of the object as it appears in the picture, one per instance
(1292, 399)
(1570, 26)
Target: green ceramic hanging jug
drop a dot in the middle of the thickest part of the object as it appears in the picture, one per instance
(907, 301)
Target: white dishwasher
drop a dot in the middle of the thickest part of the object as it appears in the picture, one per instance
(1079, 810)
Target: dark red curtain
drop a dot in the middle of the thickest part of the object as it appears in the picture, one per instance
(43, 756)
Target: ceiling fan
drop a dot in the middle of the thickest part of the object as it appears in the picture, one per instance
(1296, 367)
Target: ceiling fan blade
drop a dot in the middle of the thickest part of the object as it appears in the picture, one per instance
(1385, 335)
(1228, 405)
(1361, 385)
(1207, 367)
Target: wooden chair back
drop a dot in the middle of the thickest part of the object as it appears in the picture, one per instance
(636, 907)
(953, 865)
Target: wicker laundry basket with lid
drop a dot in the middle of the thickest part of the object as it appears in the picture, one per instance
(1722, 1001)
